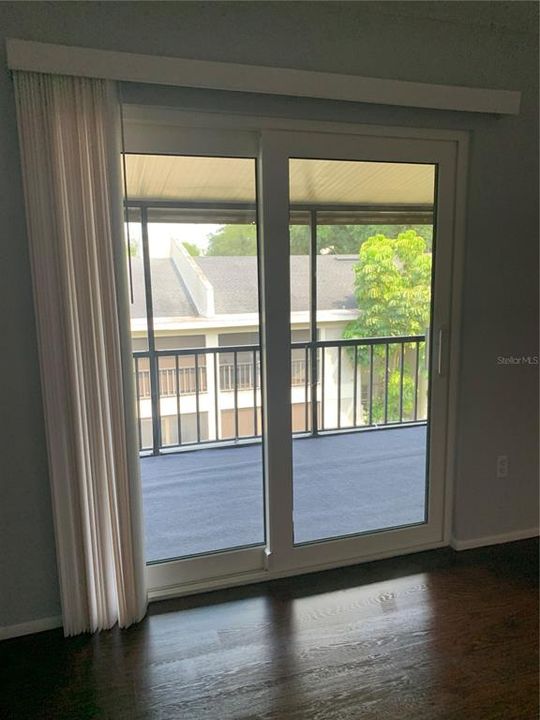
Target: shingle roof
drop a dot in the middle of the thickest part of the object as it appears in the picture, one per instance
(169, 295)
(234, 279)
(235, 282)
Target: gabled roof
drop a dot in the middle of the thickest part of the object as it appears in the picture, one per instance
(234, 279)
(234, 282)
(169, 294)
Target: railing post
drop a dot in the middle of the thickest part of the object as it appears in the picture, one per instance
(416, 368)
(235, 394)
(355, 387)
(212, 387)
(371, 353)
(313, 319)
(138, 400)
(197, 400)
(152, 358)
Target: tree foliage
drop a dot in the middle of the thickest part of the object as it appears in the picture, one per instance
(338, 239)
(392, 286)
(346, 239)
(390, 410)
(393, 292)
(193, 250)
(132, 247)
(233, 240)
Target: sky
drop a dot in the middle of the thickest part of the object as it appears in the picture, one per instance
(160, 233)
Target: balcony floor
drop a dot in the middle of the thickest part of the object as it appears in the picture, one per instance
(212, 499)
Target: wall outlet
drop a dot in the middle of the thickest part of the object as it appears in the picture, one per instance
(502, 467)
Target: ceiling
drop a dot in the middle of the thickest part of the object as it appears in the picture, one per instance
(232, 180)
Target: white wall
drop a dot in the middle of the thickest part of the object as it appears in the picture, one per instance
(472, 43)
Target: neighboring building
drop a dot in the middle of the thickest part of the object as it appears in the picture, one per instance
(204, 302)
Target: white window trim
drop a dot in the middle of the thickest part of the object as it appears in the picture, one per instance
(134, 67)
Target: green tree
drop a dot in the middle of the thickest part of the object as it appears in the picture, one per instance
(392, 286)
(393, 292)
(233, 240)
(340, 239)
(133, 247)
(347, 239)
(193, 250)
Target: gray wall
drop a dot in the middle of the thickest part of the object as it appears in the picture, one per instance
(472, 43)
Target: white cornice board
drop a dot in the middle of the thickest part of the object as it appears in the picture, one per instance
(184, 72)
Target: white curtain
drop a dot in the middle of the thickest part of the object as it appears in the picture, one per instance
(70, 151)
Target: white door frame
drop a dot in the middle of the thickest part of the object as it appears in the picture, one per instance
(178, 132)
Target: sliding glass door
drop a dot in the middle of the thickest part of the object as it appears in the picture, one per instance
(194, 273)
(287, 288)
(370, 243)
(370, 274)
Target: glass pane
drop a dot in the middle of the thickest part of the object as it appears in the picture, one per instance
(135, 265)
(200, 383)
(367, 349)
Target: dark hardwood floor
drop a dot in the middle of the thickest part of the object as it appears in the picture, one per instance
(428, 636)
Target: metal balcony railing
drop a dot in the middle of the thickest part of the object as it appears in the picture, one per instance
(193, 397)
(168, 378)
(187, 383)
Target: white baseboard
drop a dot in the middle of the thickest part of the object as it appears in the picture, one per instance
(494, 539)
(28, 628)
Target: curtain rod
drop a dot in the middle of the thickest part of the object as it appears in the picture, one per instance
(132, 67)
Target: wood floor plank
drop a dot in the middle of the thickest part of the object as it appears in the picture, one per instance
(435, 636)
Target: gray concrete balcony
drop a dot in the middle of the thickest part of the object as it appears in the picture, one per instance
(212, 499)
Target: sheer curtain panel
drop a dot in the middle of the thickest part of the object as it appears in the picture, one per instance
(70, 153)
